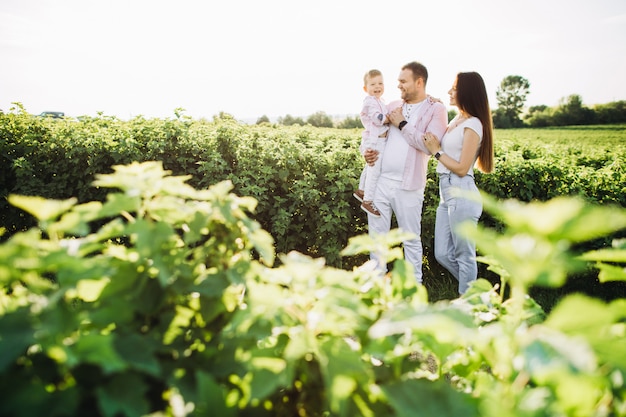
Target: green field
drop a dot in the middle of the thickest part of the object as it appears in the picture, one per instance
(301, 176)
(153, 290)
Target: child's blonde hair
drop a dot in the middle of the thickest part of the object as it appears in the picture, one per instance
(369, 74)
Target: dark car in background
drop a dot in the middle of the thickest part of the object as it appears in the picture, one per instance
(53, 114)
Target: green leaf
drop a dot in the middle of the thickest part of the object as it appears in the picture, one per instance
(177, 325)
(567, 317)
(90, 289)
(42, 209)
(16, 335)
(96, 349)
(528, 259)
(404, 285)
(117, 203)
(446, 324)
(267, 374)
(611, 273)
(135, 179)
(264, 243)
(615, 254)
(562, 218)
(413, 397)
(599, 325)
(605, 255)
(123, 395)
(552, 355)
(343, 371)
(383, 245)
(579, 395)
(211, 397)
(138, 351)
(300, 343)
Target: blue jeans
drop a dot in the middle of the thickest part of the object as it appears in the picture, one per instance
(454, 252)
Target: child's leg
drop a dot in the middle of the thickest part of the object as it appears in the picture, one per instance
(362, 178)
(373, 171)
(371, 178)
(358, 193)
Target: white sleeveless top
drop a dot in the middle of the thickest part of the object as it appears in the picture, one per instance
(452, 142)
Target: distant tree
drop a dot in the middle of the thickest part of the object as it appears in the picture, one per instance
(539, 108)
(289, 120)
(501, 120)
(571, 111)
(223, 116)
(614, 112)
(511, 96)
(451, 114)
(263, 119)
(539, 116)
(353, 122)
(320, 119)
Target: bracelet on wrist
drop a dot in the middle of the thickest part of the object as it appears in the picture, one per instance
(402, 124)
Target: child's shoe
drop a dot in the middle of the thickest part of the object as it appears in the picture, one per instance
(359, 194)
(370, 208)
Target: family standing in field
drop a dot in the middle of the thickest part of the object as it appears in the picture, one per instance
(398, 140)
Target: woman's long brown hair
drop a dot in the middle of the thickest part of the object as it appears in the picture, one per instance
(471, 97)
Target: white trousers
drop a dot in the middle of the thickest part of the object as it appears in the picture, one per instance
(371, 173)
(407, 207)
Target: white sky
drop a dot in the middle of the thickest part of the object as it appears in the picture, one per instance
(276, 57)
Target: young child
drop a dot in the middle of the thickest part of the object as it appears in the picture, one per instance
(374, 119)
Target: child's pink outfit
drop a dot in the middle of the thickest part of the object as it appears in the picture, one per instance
(373, 115)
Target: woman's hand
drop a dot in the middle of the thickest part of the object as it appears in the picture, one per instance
(432, 143)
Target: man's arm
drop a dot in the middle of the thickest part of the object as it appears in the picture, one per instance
(437, 124)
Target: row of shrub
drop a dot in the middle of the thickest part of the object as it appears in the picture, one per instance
(571, 111)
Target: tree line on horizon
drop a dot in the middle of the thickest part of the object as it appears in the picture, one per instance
(510, 112)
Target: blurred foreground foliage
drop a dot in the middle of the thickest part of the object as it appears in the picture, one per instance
(172, 306)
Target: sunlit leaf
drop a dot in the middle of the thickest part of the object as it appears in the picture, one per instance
(267, 374)
(89, 289)
(264, 243)
(386, 246)
(562, 218)
(606, 255)
(567, 317)
(42, 209)
(611, 273)
(177, 325)
(343, 371)
(117, 203)
(446, 324)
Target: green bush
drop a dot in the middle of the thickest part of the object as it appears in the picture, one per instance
(301, 176)
(172, 308)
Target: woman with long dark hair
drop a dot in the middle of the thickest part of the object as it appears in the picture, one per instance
(468, 141)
